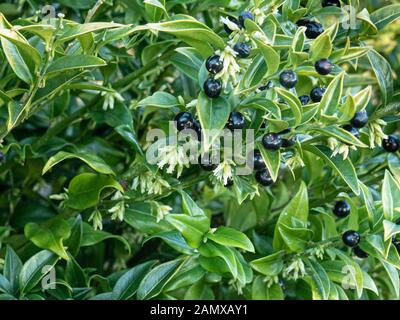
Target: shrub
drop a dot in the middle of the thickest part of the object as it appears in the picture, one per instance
(99, 200)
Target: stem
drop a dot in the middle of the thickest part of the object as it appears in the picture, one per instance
(93, 11)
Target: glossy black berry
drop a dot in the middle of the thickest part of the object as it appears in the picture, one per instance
(234, 20)
(288, 79)
(235, 121)
(272, 141)
(391, 144)
(302, 22)
(351, 238)
(207, 164)
(213, 87)
(264, 178)
(341, 209)
(317, 93)
(243, 17)
(352, 130)
(288, 143)
(258, 161)
(360, 119)
(360, 253)
(330, 3)
(185, 120)
(214, 65)
(314, 29)
(269, 85)
(229, 183)
(304, 100)
(323, 66)
(242, 49)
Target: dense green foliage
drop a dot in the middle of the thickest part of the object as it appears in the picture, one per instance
(83, 83)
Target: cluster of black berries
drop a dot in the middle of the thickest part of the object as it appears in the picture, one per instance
(350, 238)
(391, 144)
(313, 28)
(359, 121)
(213, 87)
(185, 121)
(274, 141)
(262, 175)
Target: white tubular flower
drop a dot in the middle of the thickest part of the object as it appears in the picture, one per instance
(231, 25)
(231, 68)
(118, 211)
(97, 219)
(173, 156)
(149, 183)
(161, 210)
(223, 172)
(340, 148)
(109, 99)
(259, 16)
(376, 134)
(295, 270)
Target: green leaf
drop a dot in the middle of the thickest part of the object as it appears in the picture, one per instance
(332, 96)
(385, 15)
(261, 291)
(321, 48)
(12, 268)
(92, 160)
(213, 115)
(272, 160)
(188, 61)
(154, 281)
(199, 291)
(160, 100)
(393, 276)
(84, 190)
(32, 273)
(342, 135)
(293, 102)
(231, 238)
(270, 265)
(211, 250)
(78, 30)
(174, 239)
(74, 274)
(390, 195)
(128, 284)
(49, 235)
(90, 237)
(383, 73)
(67, 63)
(271, 57)
(155, 9)
(344, 168)
(192, 228)
(319, 277)
(189, 206)
(193, 32)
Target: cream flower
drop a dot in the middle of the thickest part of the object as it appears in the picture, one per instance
(223, 172)
(118, 211)
(231, 69)
(376, 134)
(150, 183)
(173, 156)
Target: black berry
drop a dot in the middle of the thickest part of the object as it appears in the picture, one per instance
(351, 238)
(352, 130)
(236, 121)
(360, 252)
(330, 3)
(317, 93)
(264, 178)
(360, 119)
(304, 100)
(258, 161)
(212, 87)
(397, 246)
(229, 183)
(269, 85)
(288, 143)
(341, 209)
(207, 164)
(391, 144)
(314, 29)
(243, 17)
(302, 22)
(288, 79)
(234, 20)
(242, 49)
(323, 66)
(272, 141)
(185, 120)
(214, 65)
